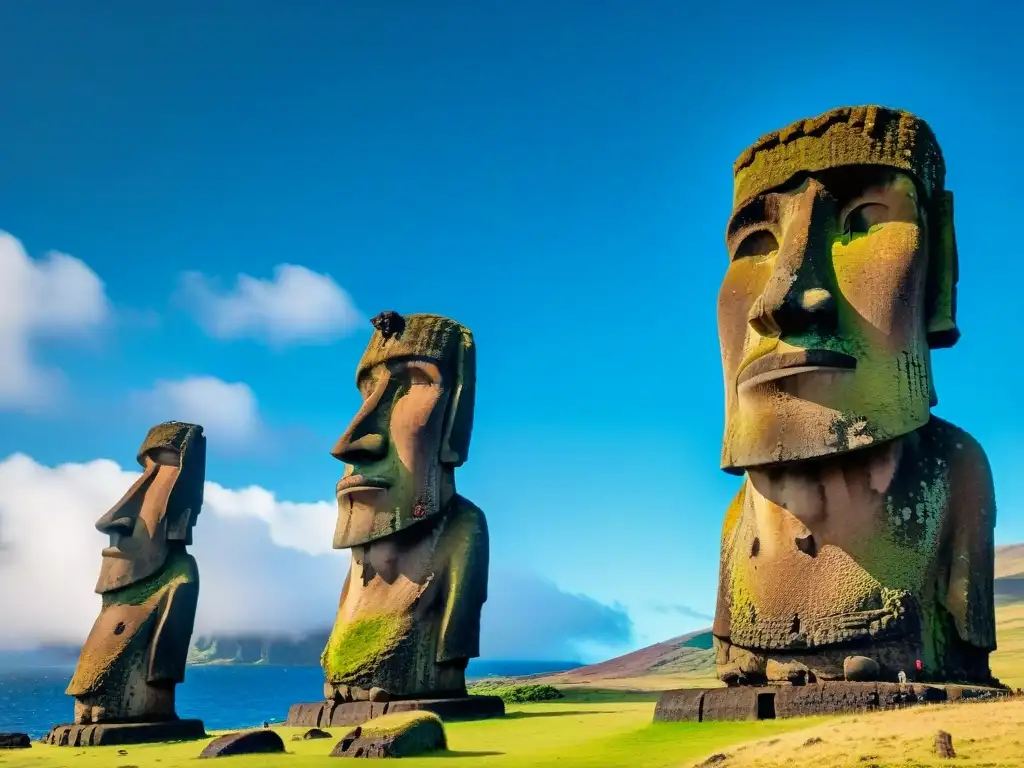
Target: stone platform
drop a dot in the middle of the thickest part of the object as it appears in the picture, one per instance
(105, 734)
(322, 714)
(777, 701)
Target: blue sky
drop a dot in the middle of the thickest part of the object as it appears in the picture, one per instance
(555, 175)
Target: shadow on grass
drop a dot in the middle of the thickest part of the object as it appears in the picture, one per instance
(563, 713)
(446, 753)
(606, 695)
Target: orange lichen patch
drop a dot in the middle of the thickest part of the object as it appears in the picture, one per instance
(866, 135)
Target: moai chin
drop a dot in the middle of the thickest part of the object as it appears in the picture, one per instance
(124, 683)
(864, 525)
(409, 616)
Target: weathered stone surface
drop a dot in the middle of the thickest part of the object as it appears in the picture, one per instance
(778, 701)
(685, 705)
(135, 654)
(316, 733)
(731, 703)
(14, 741)
(864, 524)
(715, 759)
(861, 669)
(793, 672)
(408, 621)
(259, 741)
(404, 734)
(328, 714)
(944, 745)
(107, 734)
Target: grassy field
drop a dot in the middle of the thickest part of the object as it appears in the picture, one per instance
(989, 735)
(609, 729)
(599, 730)
(607, 723)
(1008, 660)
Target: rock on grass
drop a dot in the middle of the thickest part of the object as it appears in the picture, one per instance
(14, 741)
(402, 734)
(244, 743)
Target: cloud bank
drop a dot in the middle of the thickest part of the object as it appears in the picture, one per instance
(528, 617)
(55, 296)
(254, 555)
(227, 411)
(296, 306)
(266, 567)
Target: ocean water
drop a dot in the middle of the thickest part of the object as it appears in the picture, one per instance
(223, 697)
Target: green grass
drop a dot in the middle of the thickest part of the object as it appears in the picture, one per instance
(572, 733)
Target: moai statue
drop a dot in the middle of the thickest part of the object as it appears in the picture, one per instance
(409, 616)
(135, 654)
(863, 531)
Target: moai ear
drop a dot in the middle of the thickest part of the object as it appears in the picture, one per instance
(180, 527)
(459, 417)
(943, 272)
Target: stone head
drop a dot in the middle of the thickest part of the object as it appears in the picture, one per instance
(157, 514)
(417, 379)
(842, 278)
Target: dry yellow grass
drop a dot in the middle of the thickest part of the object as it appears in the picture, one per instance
(986, 734)
(1008, 660)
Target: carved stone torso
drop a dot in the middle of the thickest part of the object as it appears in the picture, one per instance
(136, 651)
(409, 614)
(785, 598)
(895, 560)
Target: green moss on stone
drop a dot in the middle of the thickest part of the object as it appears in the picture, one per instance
(386, 726)
(362, 645)
(179, 568)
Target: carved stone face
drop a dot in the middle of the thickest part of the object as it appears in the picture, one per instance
(822, 317)
(141, 525)
(394, 476)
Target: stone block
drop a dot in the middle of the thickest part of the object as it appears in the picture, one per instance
(106, 734)
(328, 714)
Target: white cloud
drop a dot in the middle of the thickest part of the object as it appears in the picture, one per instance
(227, 411)
(57, 295)
(295, 306)
(266, 566)
(253, 553)
(293, 526)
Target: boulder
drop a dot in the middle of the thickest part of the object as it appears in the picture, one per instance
(788, 672)
(14, 741)
(403, 734)
(316, 733)
(253, 742)
(944, 745)
(861, 669)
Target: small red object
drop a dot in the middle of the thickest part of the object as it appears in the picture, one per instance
(917, 665)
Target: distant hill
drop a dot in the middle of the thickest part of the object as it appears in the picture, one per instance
(1009, 561)
(689, 660)
(686, 656)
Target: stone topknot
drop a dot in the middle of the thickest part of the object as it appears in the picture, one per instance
(389, 324)
(866, 135)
